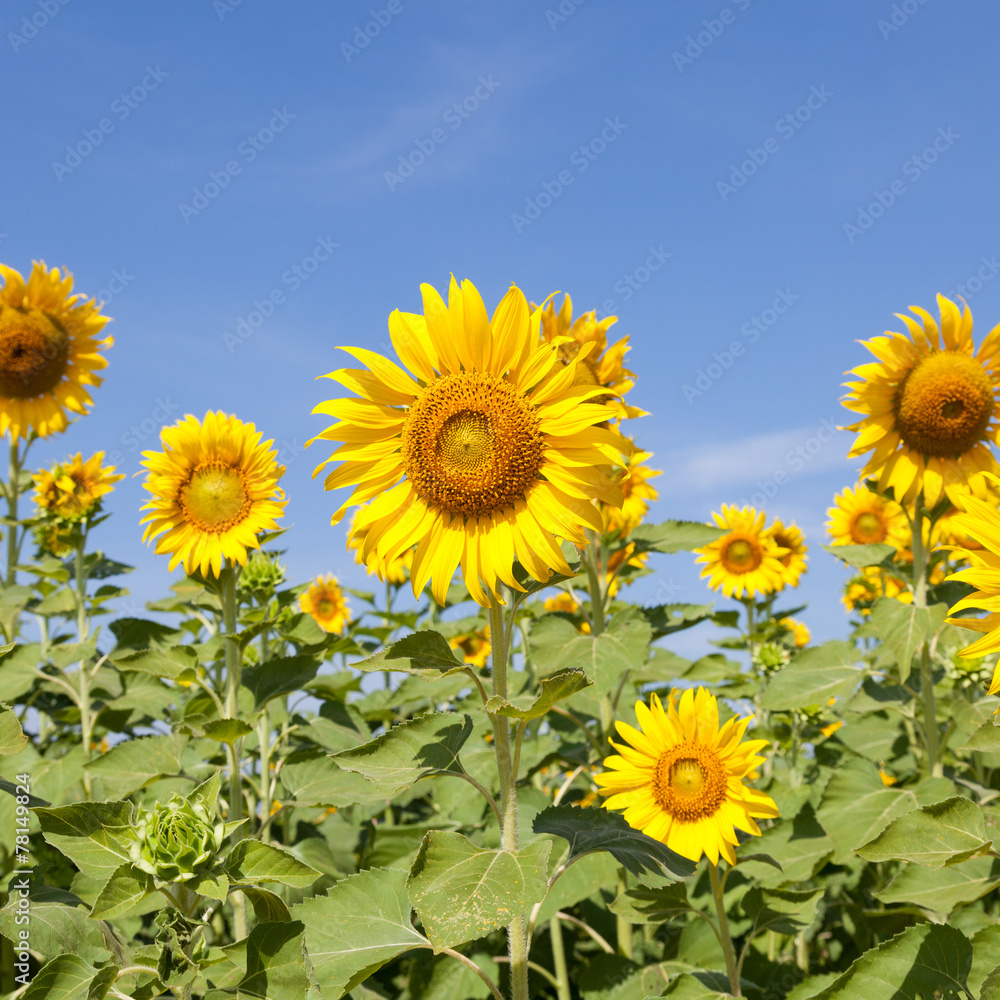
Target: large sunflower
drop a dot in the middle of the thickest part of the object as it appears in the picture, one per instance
(215, 487)
(793, 560)
(488, 452)
(861, 517)
(930, 412)
(744, 560)
(48, 351)
(680, 780)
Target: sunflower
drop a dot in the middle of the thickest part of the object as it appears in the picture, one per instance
(564, 601)
(395, 571)
(793, 542)
(48, 351)
(863, 590)
(324, 601)
(744, 560)
(474, 646)
(603, 366)
(636, 491)
(862, 517)
(72, 490)
(680, 779)
(799, 630)
(214, 487)
(490, 451)
(930, 414)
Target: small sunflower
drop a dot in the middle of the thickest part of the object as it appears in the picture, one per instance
(746, 560)
(215, 488)
(490, 451)
(800, 631)
(636, 491)
(680, 779)
(930, 413)
(863, 517)
(474, 646)
(48, 351)
(564, 601)
(863, 590)
(72, 490)
(325, 602)
(792, 540)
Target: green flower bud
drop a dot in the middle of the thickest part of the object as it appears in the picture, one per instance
(177, 840)
(771, 655)
(262, 574)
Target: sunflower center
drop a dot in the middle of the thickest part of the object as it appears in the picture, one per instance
(34, 349)
(471, 444)
(326, 607)
(689, 782)
(944, 405)
(215, 497)
(740, 555)
(868, 528)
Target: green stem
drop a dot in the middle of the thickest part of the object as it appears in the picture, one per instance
(591, 560)
(559, 959)
(920, 566)
(622, 925)
(516, 938)
(725, 938)
(84, 678)
(13, 484)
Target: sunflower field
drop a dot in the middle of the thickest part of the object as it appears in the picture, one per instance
(490, 776)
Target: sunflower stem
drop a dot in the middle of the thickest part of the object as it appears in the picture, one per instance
(13, 485)
(559, 959)
(920, 567)
(516, 939)
(725, 938)
(590, 559)
(82, 631)
(622, 926)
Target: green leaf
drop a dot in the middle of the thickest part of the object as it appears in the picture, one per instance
(267, 907)
(142, 633)
(227, 730)
(359, 925)
(862, 556)
(462, 892)
(275, 962)
(698, 986)
(815, 676)
(585, 877)
(941, 890)
(673, 536)
(799, 846)
(278, 676)
(533, 706)
(665, 619)
(424, 654)
(937, 835)
(170, 664)
(924, 961)
(311, 778)
(785, 911)
(986, 738)
(95, 836)
(601, 830)
(18, 669)
(397, 758)
(12, 738)
(652, 906)
(904, 628)
(68, 977)
(133, 764)
(252, 861)
(128, 887)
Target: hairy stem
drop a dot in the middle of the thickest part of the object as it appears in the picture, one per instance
(725, 938)
(559, 959)
(920, 566)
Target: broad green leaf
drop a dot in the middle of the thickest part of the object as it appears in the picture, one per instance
(698, 986)
(601, 830)
(96, 836)
(937, 835)
(252, 861)
(133, 764)
(462, 892)
(800, 847)
(985, 945)
(142, 633)
(815, 676)
(279, 676)
(227, 730)
(311, 778)
(533, 706)
(985, 738)
(941, 890)
(673, 536)
(862, 556)
(424, 654)
(652, 906)
(18, 669)
(440, 977)
(665, 619)
(396, 759)
(857, 807)
(267, 907)
(170, 663)
(275, 962)
(785, 911)
(582, 879)
(68, 977)
(12, 738)
(904, 628)
(128, 887)
(925, 961)
(991, 986)
(359, 925)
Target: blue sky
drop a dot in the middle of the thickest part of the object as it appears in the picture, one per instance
(702, 170)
